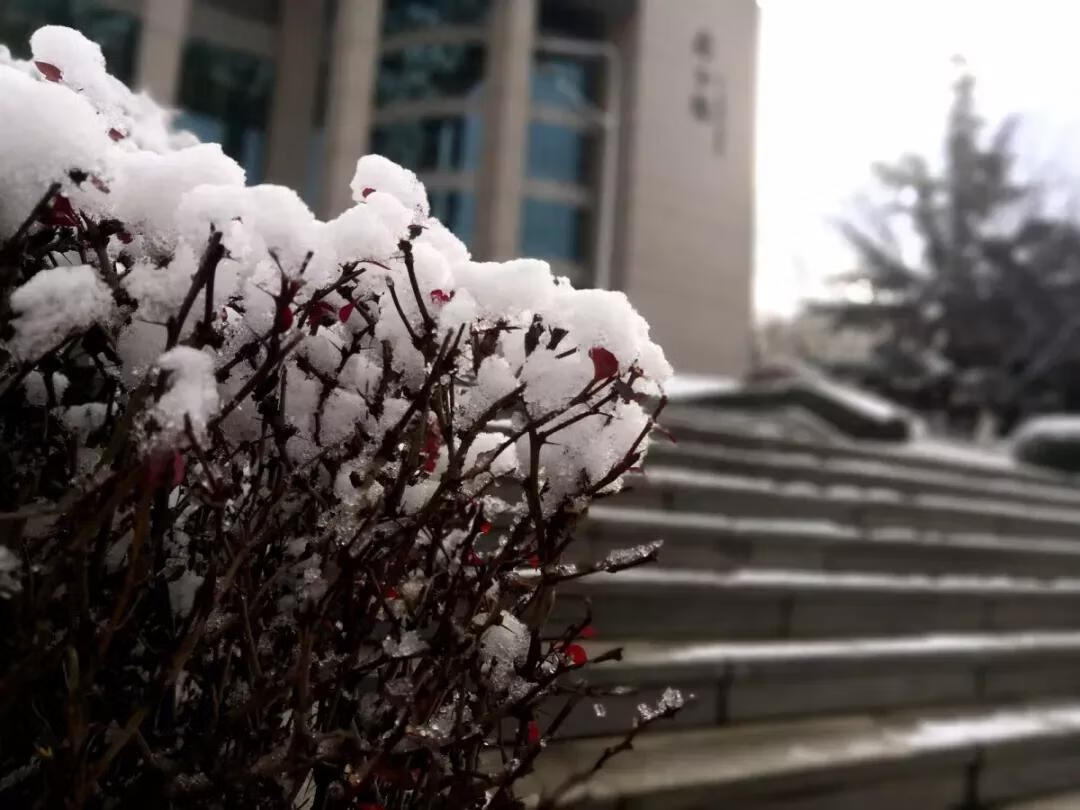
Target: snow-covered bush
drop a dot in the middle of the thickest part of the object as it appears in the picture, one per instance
(282, 501)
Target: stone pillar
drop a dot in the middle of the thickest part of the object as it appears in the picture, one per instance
(350, 103)
(685, 229)
(296, 80)
(506, 127)
(161, 43)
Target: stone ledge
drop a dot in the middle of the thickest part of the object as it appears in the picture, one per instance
(835, 762)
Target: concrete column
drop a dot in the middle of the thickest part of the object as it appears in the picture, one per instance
(685, 230)
(164, 26)
(350, 104)
(296, 79)
(506, 127)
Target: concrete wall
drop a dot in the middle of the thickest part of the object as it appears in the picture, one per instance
(684, 239)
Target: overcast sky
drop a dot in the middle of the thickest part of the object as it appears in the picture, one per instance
(843, 83)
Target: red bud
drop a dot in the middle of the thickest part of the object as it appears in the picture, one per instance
(347, 310)
(440, 296)
(366, 192)
(588, 631)
(49, 71)
(390, 592)
(179, 468)
(576, 653)
(60, 213)
(534, 732)
(285, 318)
(534, 561)
(605, 363)
(116, 134)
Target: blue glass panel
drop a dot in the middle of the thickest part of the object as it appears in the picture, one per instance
(408, 15)
(431, 144)
(456, 210)
(553, 230)
(232, 88)
(251, 142)
(566, 81)
(442, 70)
(560, 153)
(316, 167)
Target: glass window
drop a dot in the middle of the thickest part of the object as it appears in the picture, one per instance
(560, 153)
(226, 97)
(566, 81)
(568, 19)
(407, 15)
(431, 144)
(554, 231)
(456, 210)
(266, 11)
(430, 71)
(117, 32)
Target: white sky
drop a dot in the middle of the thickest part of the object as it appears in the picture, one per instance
(843, 83)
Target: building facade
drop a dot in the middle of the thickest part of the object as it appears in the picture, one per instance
(613, 138)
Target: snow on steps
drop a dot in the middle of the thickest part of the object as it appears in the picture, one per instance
(719, 542)
(736, 682)
(883, 473)
(740, 431)
(680, 604)
(1059, 801)
(678, 489)
(938, 758)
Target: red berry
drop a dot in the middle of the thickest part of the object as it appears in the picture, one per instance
(576, 653)
(49, 71)
(179, 467)
(534, 732)
(485, 527)
(390, 592)
(347, 310)
(60, 213)
(366, 191)
(116, 134)
(605, 363)
(440, 296)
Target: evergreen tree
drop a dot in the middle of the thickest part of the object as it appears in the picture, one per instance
(983, 322)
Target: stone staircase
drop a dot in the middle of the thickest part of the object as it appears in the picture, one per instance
(861, 626)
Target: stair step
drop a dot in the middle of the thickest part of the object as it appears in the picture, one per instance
(793, 466)
(930, 759)
(719, 542)
(681, 604)
(737, 682)
(712, 427)
(676, 489)
(1058, 801)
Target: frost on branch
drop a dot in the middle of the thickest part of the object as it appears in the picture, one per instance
(286, 499)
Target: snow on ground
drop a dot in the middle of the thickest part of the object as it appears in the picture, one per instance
(642, 654)
(781, 579)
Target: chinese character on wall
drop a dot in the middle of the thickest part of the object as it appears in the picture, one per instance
(708, 96)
